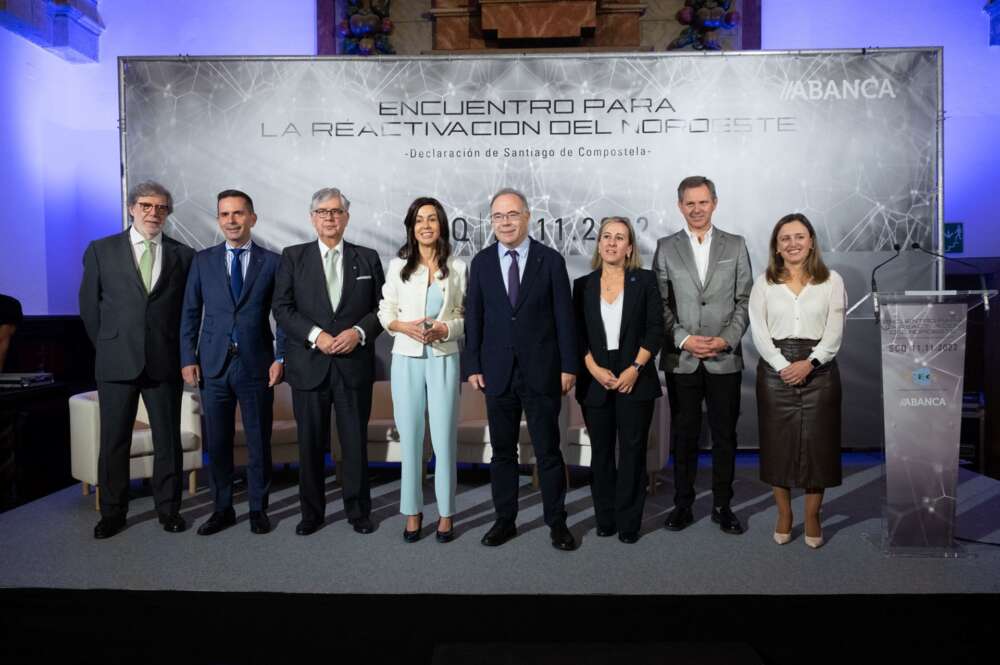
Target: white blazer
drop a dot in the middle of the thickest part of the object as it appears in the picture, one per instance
(407, 301)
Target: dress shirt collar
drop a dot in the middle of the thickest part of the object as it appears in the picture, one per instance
(694, 236)
(137, 238)
(246, 246)
(522, 249)
(324, 249)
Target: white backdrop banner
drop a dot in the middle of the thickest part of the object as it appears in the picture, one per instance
(849, 138)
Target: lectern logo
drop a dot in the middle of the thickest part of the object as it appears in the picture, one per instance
(922, 377)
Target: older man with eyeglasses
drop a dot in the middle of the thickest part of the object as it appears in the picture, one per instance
(130, 302)
(326, 299)
(520, 350)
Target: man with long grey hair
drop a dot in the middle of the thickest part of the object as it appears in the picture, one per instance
(130, 302)
(326, 299)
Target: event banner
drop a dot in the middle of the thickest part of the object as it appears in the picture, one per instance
(849, 138)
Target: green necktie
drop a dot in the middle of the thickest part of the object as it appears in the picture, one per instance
(146, 265)
(332, 283)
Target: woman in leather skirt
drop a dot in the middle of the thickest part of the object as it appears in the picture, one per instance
(797, 321)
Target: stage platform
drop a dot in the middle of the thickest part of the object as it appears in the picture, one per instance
(698, 585)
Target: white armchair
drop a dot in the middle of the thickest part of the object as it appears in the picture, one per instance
(85, 440)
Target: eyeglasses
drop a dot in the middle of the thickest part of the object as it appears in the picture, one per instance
(513, 215)
(159, 207)
(329, 212)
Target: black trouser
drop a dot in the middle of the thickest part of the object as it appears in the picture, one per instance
(619, 493)
(352, 407)
(721, 393)
(119, 402)
(542, 413)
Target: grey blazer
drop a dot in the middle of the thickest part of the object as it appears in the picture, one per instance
(717, 308)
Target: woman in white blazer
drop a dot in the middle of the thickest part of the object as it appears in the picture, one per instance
(422, 309)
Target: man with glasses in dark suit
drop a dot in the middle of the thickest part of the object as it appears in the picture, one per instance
(326, 300)
(520, 350)
(130, 302)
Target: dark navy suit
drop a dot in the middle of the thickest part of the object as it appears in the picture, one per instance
(521, 350)
(230, 372)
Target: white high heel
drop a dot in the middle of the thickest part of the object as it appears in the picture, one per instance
(782, 538)
(814, 542)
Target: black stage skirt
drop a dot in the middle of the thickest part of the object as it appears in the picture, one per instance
(799, 425)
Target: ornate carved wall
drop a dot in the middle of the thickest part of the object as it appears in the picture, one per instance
(431, 26)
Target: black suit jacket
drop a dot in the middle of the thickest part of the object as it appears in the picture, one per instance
(642, 326)
(538, 331)
(301, 302)
(131, 330)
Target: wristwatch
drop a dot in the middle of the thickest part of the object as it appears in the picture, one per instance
(815, 363)
(637, 367)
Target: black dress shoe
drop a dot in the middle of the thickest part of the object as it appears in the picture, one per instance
(219, 520)
(306, 527)
(108, 526)
(628, 537)
(726, 520)
(678, 519)
(562, 539)
(173, 523)
(259, 522)
(499, 533)
(362, 524)
(606, 531)
(414, 536)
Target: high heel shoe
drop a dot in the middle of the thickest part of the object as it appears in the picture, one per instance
(815, 542)
(445, 536)
(782, 538)
(414, 536)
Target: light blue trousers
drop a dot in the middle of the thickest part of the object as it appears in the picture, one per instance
(431, 384)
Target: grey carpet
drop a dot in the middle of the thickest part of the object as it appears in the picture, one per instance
(49, 543)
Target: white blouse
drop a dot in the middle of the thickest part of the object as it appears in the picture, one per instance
(611, 316)
(818, 312)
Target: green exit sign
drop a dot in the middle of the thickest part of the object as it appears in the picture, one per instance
(954, 238)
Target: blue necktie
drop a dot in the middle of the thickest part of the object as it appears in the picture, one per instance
(236, 283)
(513, 278)
(236, 274)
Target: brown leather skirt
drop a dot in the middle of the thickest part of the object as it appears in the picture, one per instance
(799, 425)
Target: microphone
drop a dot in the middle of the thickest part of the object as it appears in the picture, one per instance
(982, 279)
(875, 306)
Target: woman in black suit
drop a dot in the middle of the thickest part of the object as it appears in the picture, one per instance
(619, 320)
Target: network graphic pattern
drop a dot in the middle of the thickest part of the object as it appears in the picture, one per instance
(846, 138)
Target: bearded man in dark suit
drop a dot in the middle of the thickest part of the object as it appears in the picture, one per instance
(130, 302)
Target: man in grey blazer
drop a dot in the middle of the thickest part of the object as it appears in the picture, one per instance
(705, 280)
